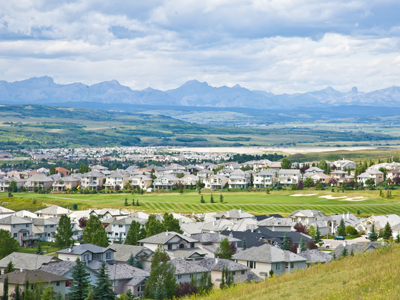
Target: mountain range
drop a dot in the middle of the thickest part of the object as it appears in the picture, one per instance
(44, 90)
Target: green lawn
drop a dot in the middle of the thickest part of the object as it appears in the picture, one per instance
(253, 202)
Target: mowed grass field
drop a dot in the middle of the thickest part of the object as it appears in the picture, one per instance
(253, 202)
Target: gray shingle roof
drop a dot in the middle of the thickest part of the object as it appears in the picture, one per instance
(165, 237)
(79, 250)
(12, 220)
(212, 238)
(219, 264)
(59, 268)
(123, 252)
(32, 275)
(268, 254)
(234, 214)
(356, 248)
(26, 260)
(186, 267)
(276, 222)
(316, 256)
(39, 177)
(125, 271)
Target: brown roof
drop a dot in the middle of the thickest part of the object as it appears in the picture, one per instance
(61, 169)
(33, 276)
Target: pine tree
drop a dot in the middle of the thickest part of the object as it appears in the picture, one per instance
(64, 232)
(303, 244)
(103, 289)
(221, 198)
(344, 252)
(244, 246)
(224, 250)
(317, 236)
(341, 230)
(397, 238)
(352, 252)
(286, 242)
(387, 233)
(79, 288)
(129, 295)
(92, 226)
(126, 201)
(132, 261)
(132, 236)
(5, 289)
(212, 199)
(9, 268)
(153, 226)
(137, 202)
(27, 294)
(39, 248)
(133, 202)
(372, 235)
(202, 199)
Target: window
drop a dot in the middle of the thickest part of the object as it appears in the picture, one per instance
(278, 266)
(191, 245)
(286, 265)
(179, 276)
(292, 265)
(108, 255)
(181, 246)
(233, 273)
(251, 264)
(169, 247)
(24, 234)
(51, 226)
(86, 257)
(14, 226)
(15, 235)
(242, 272)
(97, 256)
(57, 283)
(116, 282)
(27, 225)
(120, 226)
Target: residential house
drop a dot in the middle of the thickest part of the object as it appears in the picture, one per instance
(42, 230)
(20, 228)
(176, 245)
(124, 277)
(239, 179)
(307, 216)
(165, 182)
(98, 168)
(26, 261)
(277, 224)
(63, 171)
(65, 269)
(123, 253)
(315, 257)
(319, 178)
(5, 183)
(141, 181)
(39, 181)
(216, 182)
(67, 182)
(91, 255)
(239, 272)
(266, 178)
(225, 172)
(334, 221)
(34, 276)
(209, 242)
(217, 225)
(356, 248)
(116, 179)
(92, 180)
(376, 175)
(203, 174)
(379, 221)
(189, 180)
(185, 270)
(287, 177)
(234, 214)
(344, 164)
(52, 212)
(118, 228)
(265, 258)
(108, 214)
(314, 170)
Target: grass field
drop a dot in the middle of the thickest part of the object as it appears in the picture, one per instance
(373, 275)
(252, 202)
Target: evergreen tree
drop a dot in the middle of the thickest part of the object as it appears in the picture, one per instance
(387, 233)
(372, 235)
(227, 278)
(303, 244)
(129, 295)
(92, 226)
(244, 245)
(397, 239)
(103, 289)
(205, 283)
(358, 212)
(126, 201)
(171, 224)
(137, 202)
(286, 242)
(134, 262)
(153, 226)
(286, 164)
(161, 283)
(311, 231)
(27, 294)
(9, 268)
(100, 238)
(90, 295)
(212, 199)
(202, 199)
(47, 294)
(341, 230)
(132, 236)
(39, 248)
(79, 288)
(224, 250)
(221, 198)
(352, 252)
(317, 236)
(5, 289)
(142, 233)
(133, 202)
(64, 232)
(344, 252)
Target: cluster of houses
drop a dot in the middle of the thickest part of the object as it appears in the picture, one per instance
(258, 242)
(257, 174)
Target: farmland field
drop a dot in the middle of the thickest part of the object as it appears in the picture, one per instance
(189, 202)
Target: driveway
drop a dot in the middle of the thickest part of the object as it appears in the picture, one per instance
(334, 243)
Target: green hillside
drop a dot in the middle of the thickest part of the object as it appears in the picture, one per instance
(374, 275)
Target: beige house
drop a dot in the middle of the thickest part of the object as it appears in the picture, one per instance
(67, 182)
(119, 177)
(5, 183)
(40, 181)
(261, 260)
(307, 216)
(20, 228)
(34, 277)
(376, 175)
(215, 182)
(287, 177)
(265, 178)
(53, 211)
(141, 181)
(165, 182)
(189, 180)
(92, 180)
(238, 179)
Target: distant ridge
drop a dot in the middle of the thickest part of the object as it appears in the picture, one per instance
(44, 90)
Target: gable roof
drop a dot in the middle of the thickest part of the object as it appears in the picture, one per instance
(355, 247)
(308, 212)
(209, 237)
(268, 254)
(59, 268)
(26, 261)
(234, 214)
(278, 222)
(123, 252)
(218, 264)
(39, 177)
(54, 210)
(13, 220)
(185, 267)
(165, 237)
(33, 276)
(316, 256)
(125, 271)
(79, 250)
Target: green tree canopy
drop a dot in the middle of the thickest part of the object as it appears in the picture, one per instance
(387, 233)
(317, 236)
(153, 226)
(8, 244)
(224, 250)
(286, 242)
(79, 288)
(341, 230)
(133, 234)
(308, 182)
(311, 231)
(372, 234)
(286, 163)
(64, 232)
(100, 238)
(171, 224)
(103, 289)
(303, 244)
(92, 226)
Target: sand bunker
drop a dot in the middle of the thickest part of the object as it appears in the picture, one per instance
(355, 199)
(299, 195)
(331, 197)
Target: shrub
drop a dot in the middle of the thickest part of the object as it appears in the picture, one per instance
(319, 186)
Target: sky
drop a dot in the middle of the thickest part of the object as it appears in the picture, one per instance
(279, 46)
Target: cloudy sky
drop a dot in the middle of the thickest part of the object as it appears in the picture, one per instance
(273, 45)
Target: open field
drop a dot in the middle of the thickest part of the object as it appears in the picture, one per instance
(373, 275)
(189, 202)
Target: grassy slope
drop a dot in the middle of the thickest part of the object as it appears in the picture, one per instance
(258, 203)
(374, 275)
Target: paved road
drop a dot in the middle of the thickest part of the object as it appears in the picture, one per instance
(335, 243)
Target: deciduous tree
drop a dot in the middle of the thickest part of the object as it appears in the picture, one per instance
(64, 232)
(224, 250)
(8, 244)
(132, 236)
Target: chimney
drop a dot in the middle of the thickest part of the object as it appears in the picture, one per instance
(70, 249)
(214, 223)
(348, 215)
(231, 235)
(298, 249)
(273, 228)
(166, 233)
(216, 259)
(344, 243)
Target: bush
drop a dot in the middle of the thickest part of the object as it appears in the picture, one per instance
(350, 230)
(319, 186)
(186, 289)
(312, 245)
(294, 187)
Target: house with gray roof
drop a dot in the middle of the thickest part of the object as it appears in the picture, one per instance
(5, 183)
(184, 270)
(287, 177)
(265, 258)
(65, 268)
(26, 261)
(34, 276)
(118, 228)
(165, 182)
(215, 182)
(234, 214)
(277, 224)
(123, 253)
(209, 242)
(91, 255)
(52, 212)
(356, 248)
(124, 277)
(315, 256)
(376, 175)
(40, 181)
(92, 180)
(117, 178)
(265, 178)
(20, 228)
